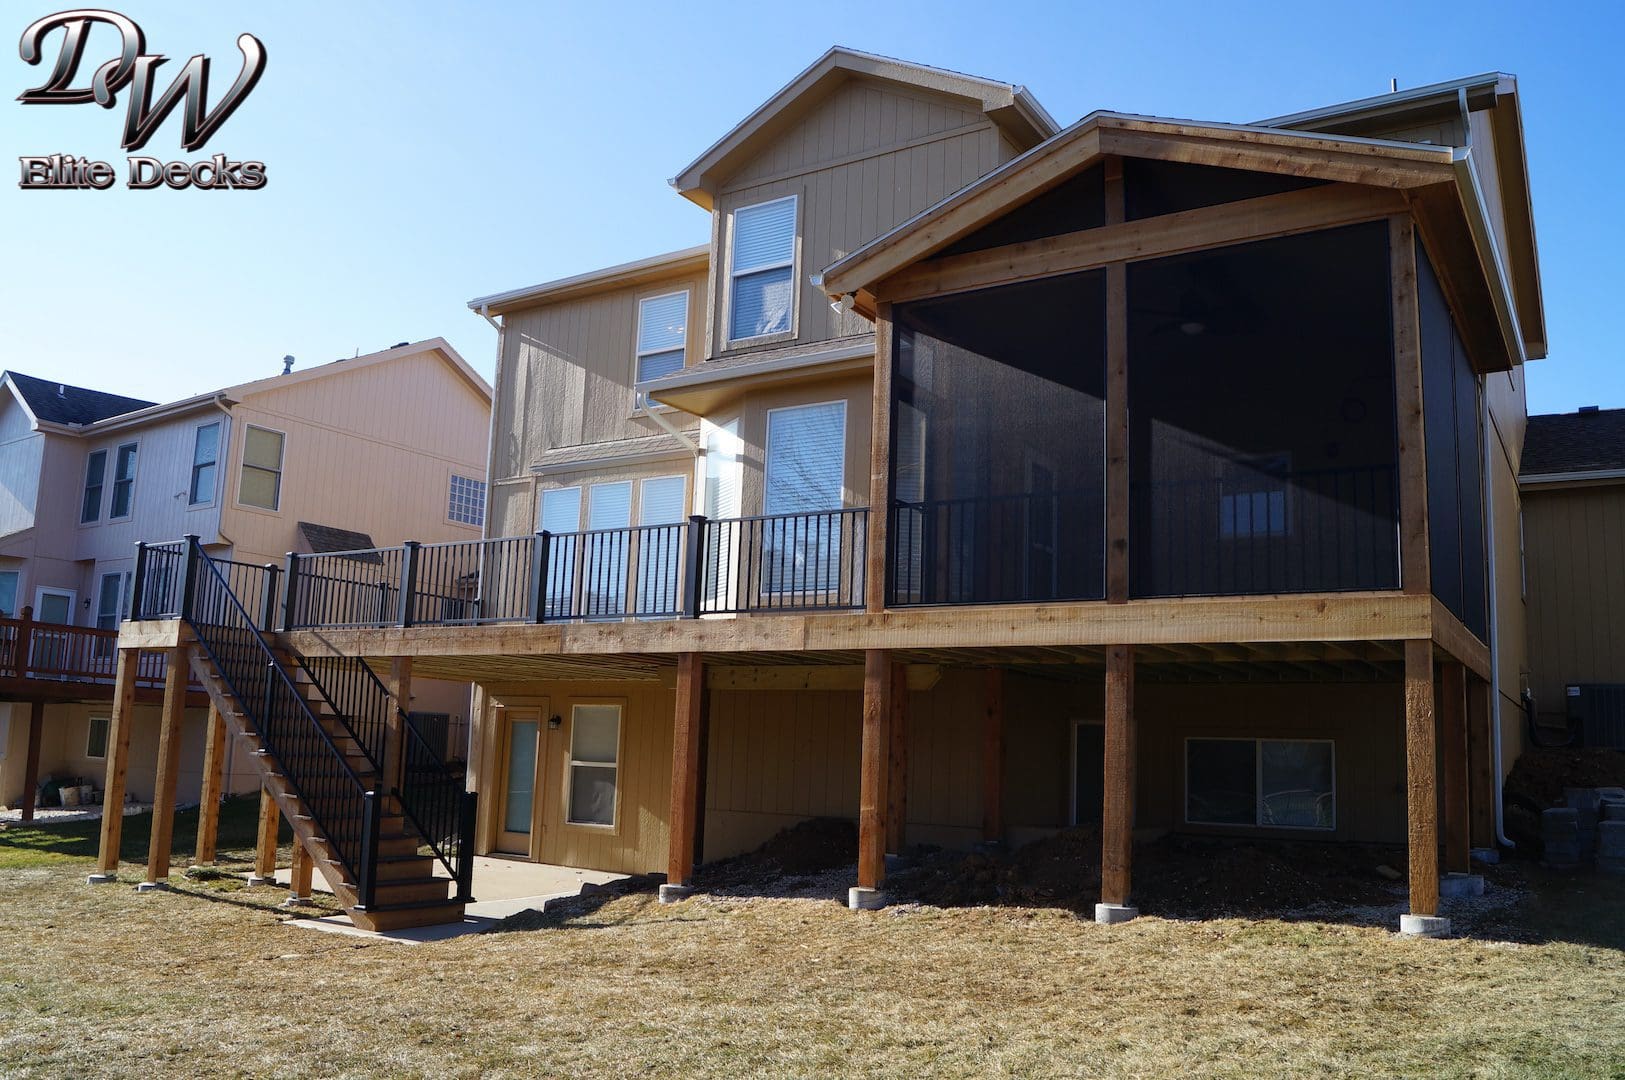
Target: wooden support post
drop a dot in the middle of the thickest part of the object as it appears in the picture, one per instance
(1414, 573)
(177, 672)
(208, 803)
(299, 879)
(875, 770)
(1117, 809)
(897, 781)
(875, 557)
(687, 766)
(993, 756)
(1117, 418)
(118, 762)
(1421, 781)
(36, 735)
(399, 685)
(1481, 780)
(1453, 748)
(265, 846)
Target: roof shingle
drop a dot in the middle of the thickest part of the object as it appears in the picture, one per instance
(1574, 442)
(59, 403)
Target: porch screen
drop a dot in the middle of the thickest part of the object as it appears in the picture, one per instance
(998, 453)
(1262, 454)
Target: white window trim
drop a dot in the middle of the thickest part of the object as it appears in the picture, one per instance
(281, 472)
(485, 497)
(40, 592)
(1258, 783)
(570, 764)
(101, 496)
(795, 291)
(638, 354)
(113, 480)
(191, 468)
(90, 725)
(17, 595)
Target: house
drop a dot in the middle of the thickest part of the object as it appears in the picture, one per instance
(980, 477)
(88, 474)
(1573, 529)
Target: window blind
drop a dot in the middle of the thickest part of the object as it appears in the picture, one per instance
(806, 458)
(762, 269)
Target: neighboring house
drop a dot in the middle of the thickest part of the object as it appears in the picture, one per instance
(981, 477)
(1573, 483)
(248, 469)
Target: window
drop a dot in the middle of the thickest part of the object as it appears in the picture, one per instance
(8, 593)
(205, 455)
(761, 274)
(96, 737)
(261, 484)
(1253, 498)
(659, 566)
(95, 475)
(595, 743)
(662, 328)
(467, 500)
(1273, 783)
(123, 482)
(806, 464)
(609, 507)
(113, 601)
(560, 514)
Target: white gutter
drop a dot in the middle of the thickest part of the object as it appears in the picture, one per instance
(484, 312)
(1491, 441)
(1537, 479)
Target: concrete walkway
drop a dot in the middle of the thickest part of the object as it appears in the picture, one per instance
(502, 887)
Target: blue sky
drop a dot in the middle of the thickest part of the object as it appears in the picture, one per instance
(421, 154)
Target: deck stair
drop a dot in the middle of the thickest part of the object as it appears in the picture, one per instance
(323, 734)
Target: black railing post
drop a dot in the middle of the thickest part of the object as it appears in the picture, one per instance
(540, 556)
(268, 599)
(367, 872)
(693, 561)
(469, 806)
(138, 588)
(290, 593)
(189, 575)
(409, 583)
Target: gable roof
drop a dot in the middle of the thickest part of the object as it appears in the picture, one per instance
(625, 275)
(1007, 105)
(58, 403)
(1561, 444)
(330, 538)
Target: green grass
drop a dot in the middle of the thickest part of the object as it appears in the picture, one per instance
(37, 845)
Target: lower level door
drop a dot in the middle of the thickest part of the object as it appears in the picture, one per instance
(520, 781)
(1088, 772)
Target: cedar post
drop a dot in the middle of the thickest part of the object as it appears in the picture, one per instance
(176, 675)
(1117, 419)
(399, 685)
(875, 558)
(118, 762)
(1117, 809)
(687, 776)
(993, 756)
(1453, 747)
(875, 772)
(1414, 574)
(1482, 781)
(214, 768)
(299, 878)
(1421, 783)
(36, 733)
(265, 845)
(897, 781)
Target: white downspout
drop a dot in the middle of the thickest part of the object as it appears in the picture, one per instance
(1490, 438)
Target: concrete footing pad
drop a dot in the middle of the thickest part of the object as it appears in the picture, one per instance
(1424, 926)
(1112, 914)
(1453, 886)
(859, 898)
(1487, 855)
(152, 886)
(255, 879)
(672, 894)
(101, 879)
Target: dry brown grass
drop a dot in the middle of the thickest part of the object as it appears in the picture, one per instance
(102, 980)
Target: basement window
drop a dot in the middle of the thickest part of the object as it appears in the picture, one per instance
(595, 745)
(1267, 783)
(96, 737)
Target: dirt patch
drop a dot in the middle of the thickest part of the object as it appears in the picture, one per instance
(804, 850)
(1539, 776)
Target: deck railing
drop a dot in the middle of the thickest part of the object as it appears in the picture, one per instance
(85, 654)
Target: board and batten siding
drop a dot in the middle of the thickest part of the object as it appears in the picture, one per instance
(1504, 393)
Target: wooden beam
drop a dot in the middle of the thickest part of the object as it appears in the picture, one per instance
(265, 842)
(153, 635)
(171, 733)
(687, 758)
(399, 684)
(118, 763)
(1245, 221)
(299, 879)
(897, 782)
(36, 735)
(214, 769)
(1453, 748)
(874, 770)
(875, 555)
(815, 677)
(1349, 163)
(993, 756)
(1482, 782)
(1421, 779)
(1414, 573)
(1460, 643)
(1117, 809)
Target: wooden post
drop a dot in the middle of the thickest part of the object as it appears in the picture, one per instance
(687, 765)
(897, 781)
(214, 768)
(1117, 809)
(265, 845)
(1421, 782)
(118, 762)
(875, 769)
(1482, 781)
(177, 672)
(1453, 747)
(399, 685)
(299, 879)
(993, 756)
(22, 645)
(875, 557)
(1117, 418)
(1414, 574)
(36, 734)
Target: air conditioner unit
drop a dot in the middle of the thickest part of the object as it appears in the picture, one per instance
(1597, 712)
